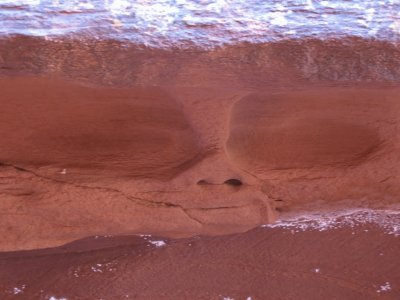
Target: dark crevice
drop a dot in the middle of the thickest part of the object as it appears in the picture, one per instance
(202, 182)
(136, 200)
(217, 208)
(233, 182)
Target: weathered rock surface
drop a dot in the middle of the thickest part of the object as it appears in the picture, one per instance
(100, 137)
(339, 61)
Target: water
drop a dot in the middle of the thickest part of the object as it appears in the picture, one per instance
(387, 220)
(202, 22)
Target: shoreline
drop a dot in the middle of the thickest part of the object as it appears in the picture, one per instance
(258, 264)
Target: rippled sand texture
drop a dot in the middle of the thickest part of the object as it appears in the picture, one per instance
(346, 261)
(204, 23)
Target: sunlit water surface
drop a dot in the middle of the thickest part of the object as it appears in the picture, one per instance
(203, 22)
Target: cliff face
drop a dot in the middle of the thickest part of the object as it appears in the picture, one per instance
(337, 61)
(102, 137)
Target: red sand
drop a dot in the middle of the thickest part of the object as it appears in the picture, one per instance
(348, 263)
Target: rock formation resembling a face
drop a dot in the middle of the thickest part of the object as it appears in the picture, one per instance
(79, 161)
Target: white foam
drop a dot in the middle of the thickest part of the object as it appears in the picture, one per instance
(205, 23)
(55, 298)
(20, 2)
(384, 288)
(97, 268)
(309, 5)
(278, 19)
(388, 220)
(158, 243)
(369, 14)
(120, 7)
(19, 289)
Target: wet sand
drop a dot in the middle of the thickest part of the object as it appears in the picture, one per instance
(359, 262)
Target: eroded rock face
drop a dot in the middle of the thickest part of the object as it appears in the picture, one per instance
(80, 161)
(285, 63)
(136, 132)
(305, 130)
(188, 143)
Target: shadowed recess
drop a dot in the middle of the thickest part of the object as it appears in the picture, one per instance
(233, 182)
(301, 130)
(138, 132)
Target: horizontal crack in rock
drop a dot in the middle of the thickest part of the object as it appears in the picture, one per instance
(217, 208)
(137, 200)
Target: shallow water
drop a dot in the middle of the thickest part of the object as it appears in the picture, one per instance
(387, 220)
(202, 22)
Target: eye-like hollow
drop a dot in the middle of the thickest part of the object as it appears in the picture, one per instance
(139, 132)
(296, 131)
(202, 182)
(233, 182)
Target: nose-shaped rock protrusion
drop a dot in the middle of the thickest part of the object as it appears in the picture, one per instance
(215, 170)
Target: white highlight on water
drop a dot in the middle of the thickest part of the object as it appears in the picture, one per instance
(158, 243)
(384, 288)
(387, 220)
(204, 23)
(19, 289)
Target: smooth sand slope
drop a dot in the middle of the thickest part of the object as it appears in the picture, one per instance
(347, 263)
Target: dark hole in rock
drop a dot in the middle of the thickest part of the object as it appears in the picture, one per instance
(234, 182)
(202, 182)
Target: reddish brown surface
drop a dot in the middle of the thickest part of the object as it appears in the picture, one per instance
(80, 161)
(345, 264)
(100, 138)
(341, 61)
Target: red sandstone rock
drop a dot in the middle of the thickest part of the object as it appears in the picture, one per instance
(104, 138)
(80, 161)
